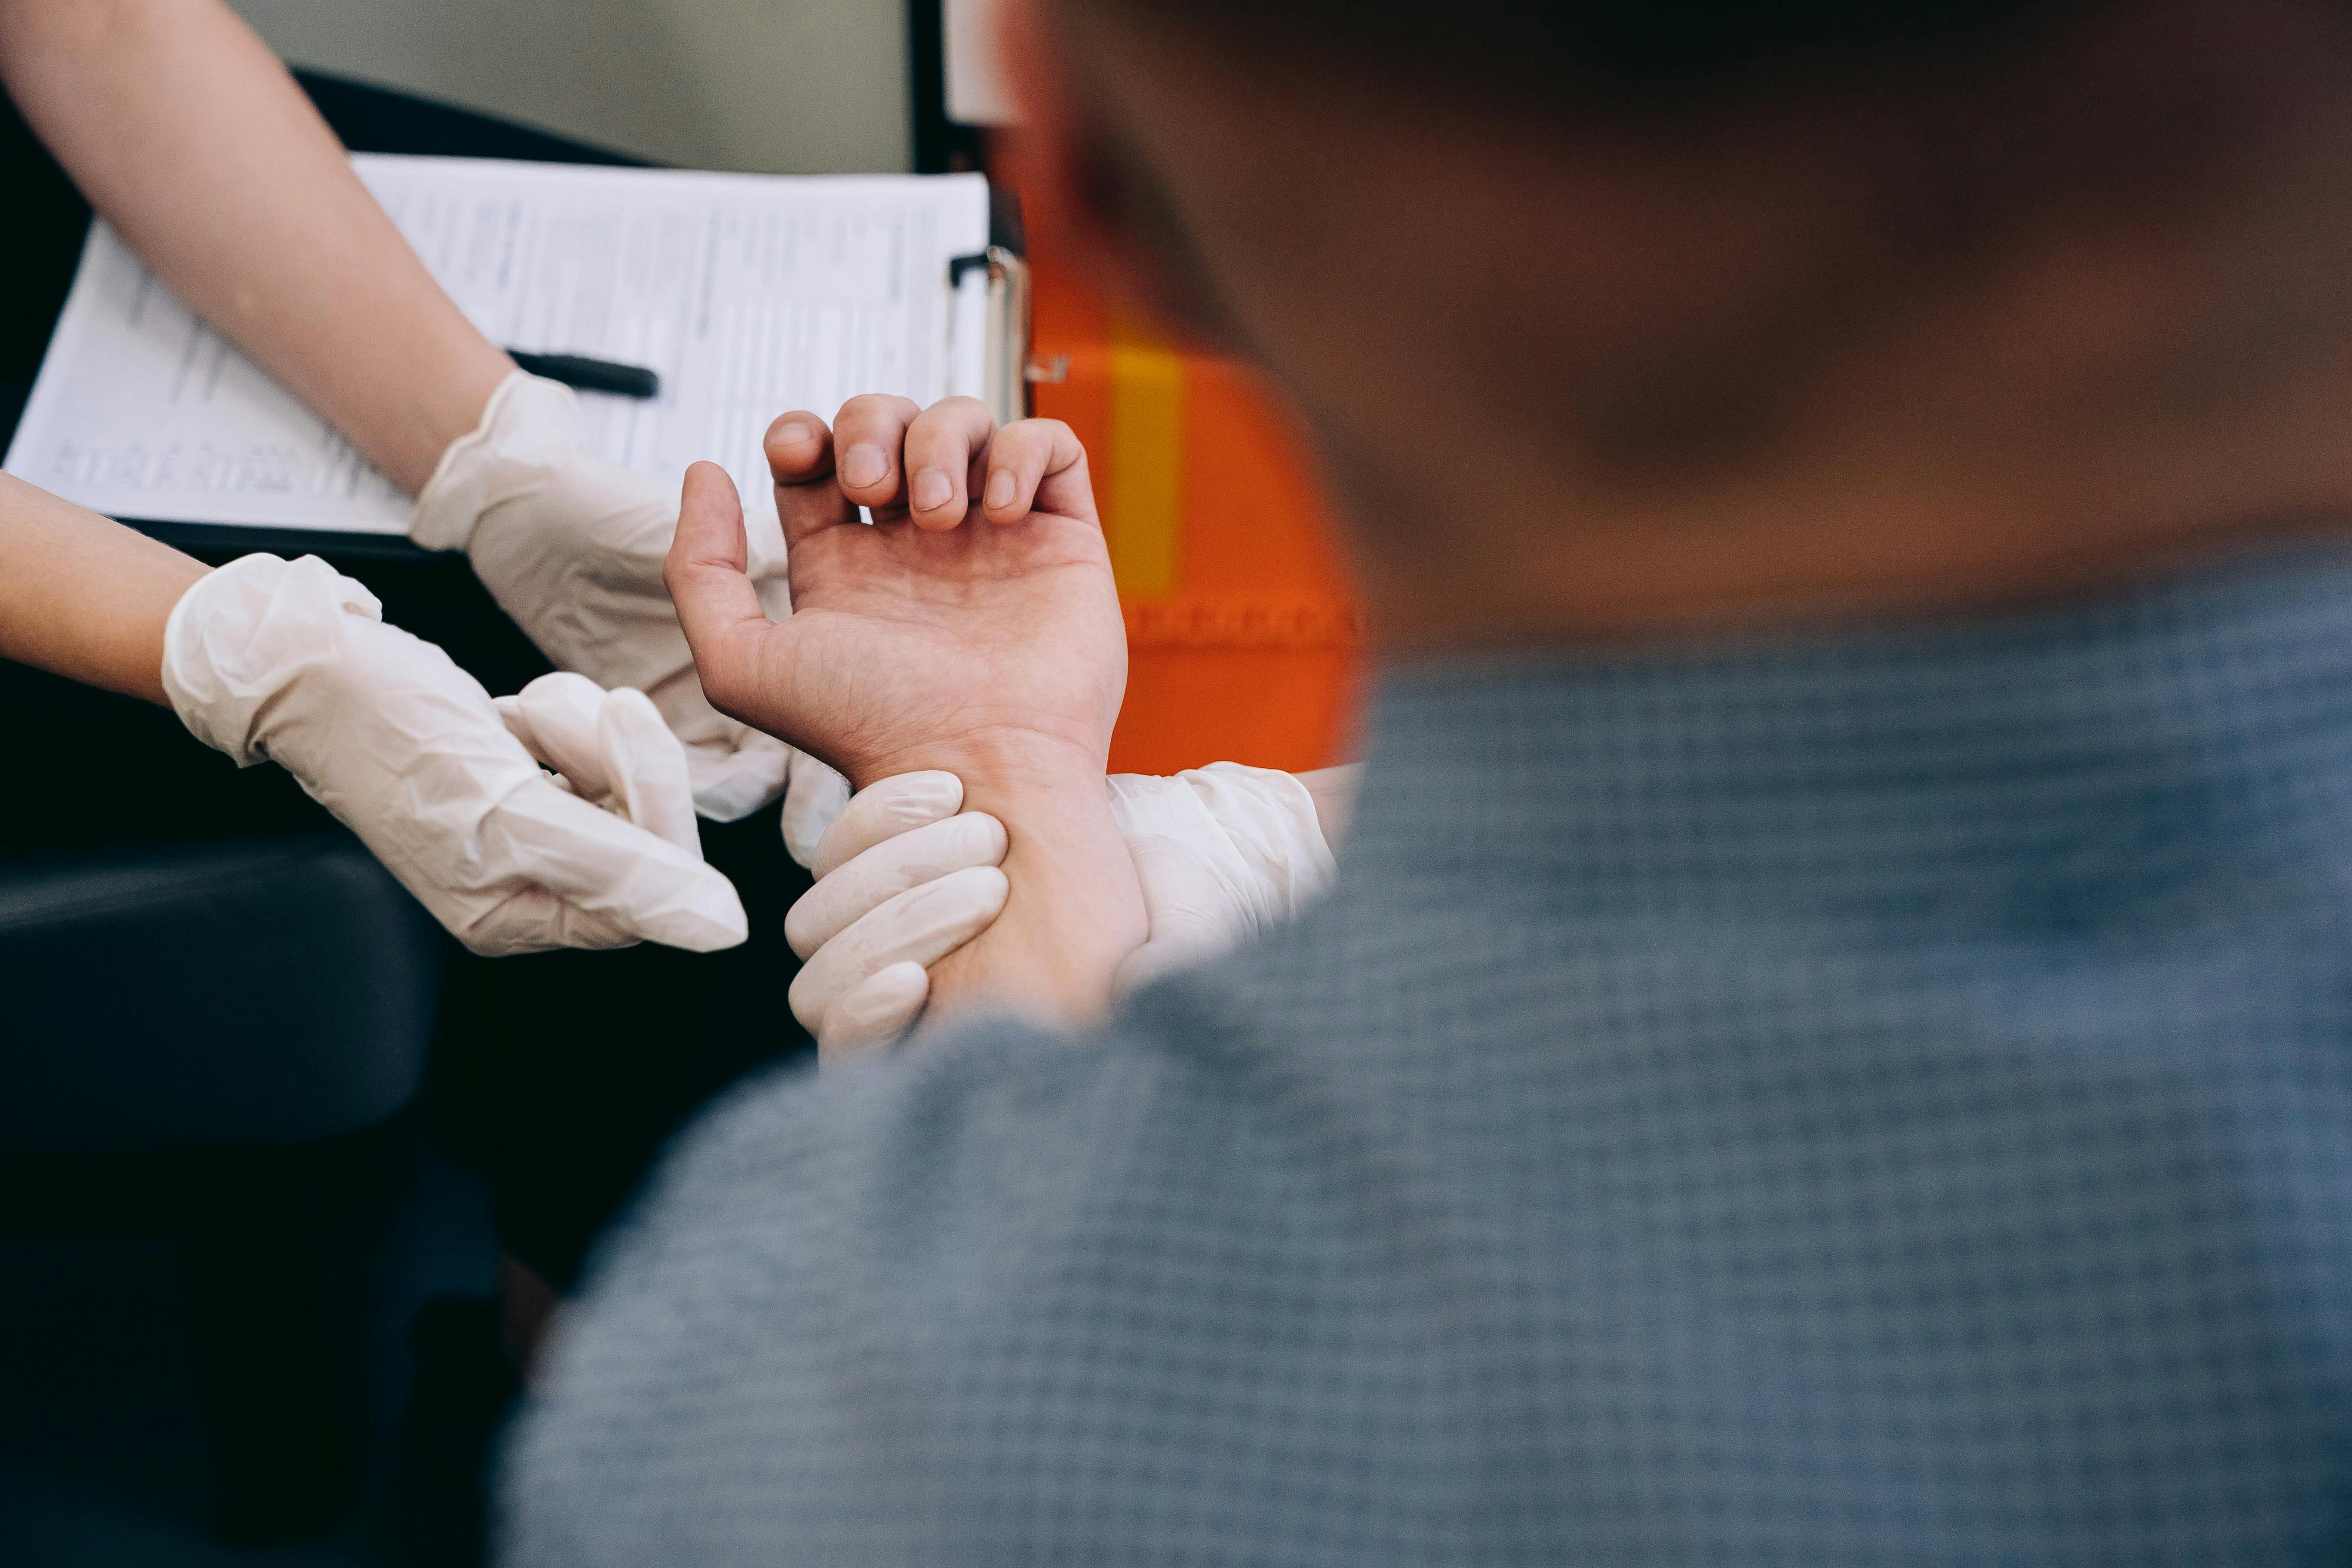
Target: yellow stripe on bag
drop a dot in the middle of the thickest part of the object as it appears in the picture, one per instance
(1145, 495)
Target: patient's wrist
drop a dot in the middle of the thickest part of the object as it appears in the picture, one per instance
(1019, 762)
(1075, 910)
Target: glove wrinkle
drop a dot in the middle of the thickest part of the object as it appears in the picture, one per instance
(291, 661)
(892, 867)
(571, 546)
(1224, 852)
(921, 925)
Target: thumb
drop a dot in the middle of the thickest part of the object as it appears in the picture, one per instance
(647, 767)
(813, 802)
(554, 717)
(706, 573)
(611, 747)
(599, 863)
(736, 775)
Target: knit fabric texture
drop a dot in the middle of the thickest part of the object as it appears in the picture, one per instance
(1882, 1097)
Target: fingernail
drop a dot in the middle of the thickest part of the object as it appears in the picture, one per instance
(864, 464)
(877, 1003)
(795, 435)
(1001, 489)
(933, 489)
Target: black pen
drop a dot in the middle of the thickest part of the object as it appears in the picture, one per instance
(590, 375)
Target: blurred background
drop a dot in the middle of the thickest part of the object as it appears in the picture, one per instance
(781, 86)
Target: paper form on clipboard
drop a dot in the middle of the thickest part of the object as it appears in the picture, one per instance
(748, 294)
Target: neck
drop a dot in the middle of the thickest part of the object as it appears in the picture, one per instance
(1541, 555)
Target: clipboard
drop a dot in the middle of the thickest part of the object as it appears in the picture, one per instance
(759, 293)
(1011, 318)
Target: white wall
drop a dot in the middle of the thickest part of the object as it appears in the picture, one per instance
(781, 86)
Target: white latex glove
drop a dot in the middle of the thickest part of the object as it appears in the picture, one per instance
(902, 881)
(571, 546)
(1222, 851)
(291, 662)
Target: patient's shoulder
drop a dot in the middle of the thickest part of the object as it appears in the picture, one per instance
(996, 1110)
(980, 1108)
(840, 1286)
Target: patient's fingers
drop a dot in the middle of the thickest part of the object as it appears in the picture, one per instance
(800, 461)
(1036, 465)
(717, 606)
(867, 435)
(944, 446)
(799, 448)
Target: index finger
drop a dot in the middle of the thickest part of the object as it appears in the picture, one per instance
(868, 435)
(800, 461)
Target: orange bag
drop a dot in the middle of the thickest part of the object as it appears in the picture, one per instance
(1244, 642)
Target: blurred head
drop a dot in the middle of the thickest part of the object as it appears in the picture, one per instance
(1610, 315)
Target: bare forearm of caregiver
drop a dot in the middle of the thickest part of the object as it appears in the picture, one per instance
(82, 596)
(191, 139)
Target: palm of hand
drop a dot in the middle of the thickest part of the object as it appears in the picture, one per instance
(910, 648)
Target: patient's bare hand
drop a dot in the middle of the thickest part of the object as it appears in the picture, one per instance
(974, 625)
(986, 640)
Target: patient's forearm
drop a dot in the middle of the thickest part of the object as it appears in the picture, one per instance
(83, 596)
(192, 140)
(1075, 910)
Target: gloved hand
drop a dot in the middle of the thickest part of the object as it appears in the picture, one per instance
(291, 662)
(1222, 851)
(571, 546)
(903, 880)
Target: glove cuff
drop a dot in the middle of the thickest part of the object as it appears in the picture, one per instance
(1253, 829)
(1272, 821)
(243, 633)
(526, 414)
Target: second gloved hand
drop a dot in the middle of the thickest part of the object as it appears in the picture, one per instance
(903, 880)
(289, 661)
(572, 548)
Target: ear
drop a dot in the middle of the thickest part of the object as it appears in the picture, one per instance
(1074, 162)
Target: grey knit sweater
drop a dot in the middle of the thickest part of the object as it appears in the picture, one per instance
(1867, 1099)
